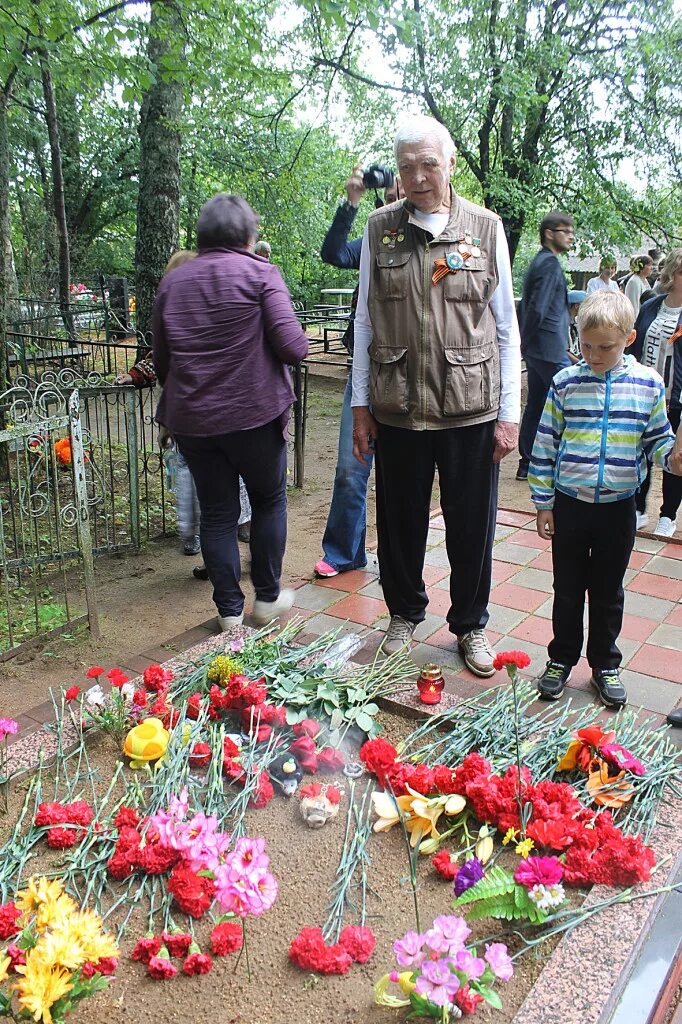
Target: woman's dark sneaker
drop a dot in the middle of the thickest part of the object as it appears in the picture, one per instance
(609, 687)
(552, 682)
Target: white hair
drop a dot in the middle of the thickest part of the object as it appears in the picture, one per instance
(421, 127)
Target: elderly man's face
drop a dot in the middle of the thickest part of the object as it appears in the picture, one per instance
(425, 175)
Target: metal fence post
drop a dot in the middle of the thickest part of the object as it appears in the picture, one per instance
(133, 464)
(82, 514)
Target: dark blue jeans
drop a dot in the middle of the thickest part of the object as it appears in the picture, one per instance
(216, 463)
(540, 373)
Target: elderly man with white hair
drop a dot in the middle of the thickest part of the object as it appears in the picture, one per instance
(436, 384)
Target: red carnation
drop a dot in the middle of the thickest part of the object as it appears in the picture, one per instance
(333, 795)
(160, 968)
(230, 748)
(119, 867)
(310, 952)
(194, 706)
(330, 760)
(140, 698)
(106, 966)
(193, 893)
(62, 838)
(378, 756)
(117, 677)
(227, 937)
(467, 1000)
(358, 942)
(200, 755)
(72, 693)
(177, 943)
(197, 963)
(79, 813)
(308, 727)
(146, 948)
(233, 770)
(94, 672)
(16, 955)
(303, 749)
(264, 793)
(155, 859)
(445, 865)
(127, 816)
(519, 659)
(9, 915)
(156, 678)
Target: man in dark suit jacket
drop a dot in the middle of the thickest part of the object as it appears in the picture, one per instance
(544, 325)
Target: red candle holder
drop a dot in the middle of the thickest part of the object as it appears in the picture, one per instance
(430, 684)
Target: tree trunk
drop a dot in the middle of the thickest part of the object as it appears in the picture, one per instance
(58, 199)
(158, 205)
(4, 240)
(191, 205)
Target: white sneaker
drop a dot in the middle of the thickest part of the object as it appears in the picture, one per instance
(228, 621)
(265, 611)
(477, 652)
(398, 634)
(642, 520)
(665, 527)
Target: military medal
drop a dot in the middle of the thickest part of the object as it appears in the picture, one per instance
(450, 264)
(391, 236)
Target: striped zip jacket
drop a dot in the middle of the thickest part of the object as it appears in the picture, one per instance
(595, 431)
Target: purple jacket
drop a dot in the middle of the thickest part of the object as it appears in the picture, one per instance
(224, 331)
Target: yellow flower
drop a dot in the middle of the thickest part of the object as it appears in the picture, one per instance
(41, 986)
(384, 998)
(76, 939)
(388, 814)
(523, 848)
(4, 964)
(509, 836)
(484, 846)
(221, 668)
(47, 900)
(455, 804)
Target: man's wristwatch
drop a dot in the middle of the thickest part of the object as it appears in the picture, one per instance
(346, 204)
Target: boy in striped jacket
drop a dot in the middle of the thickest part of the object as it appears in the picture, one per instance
(601, 420)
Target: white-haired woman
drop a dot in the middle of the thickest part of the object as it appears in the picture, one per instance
(659, 344)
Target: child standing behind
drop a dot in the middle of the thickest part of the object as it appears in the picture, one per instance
(602, 418)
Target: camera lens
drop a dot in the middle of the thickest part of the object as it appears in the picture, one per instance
(378, 176)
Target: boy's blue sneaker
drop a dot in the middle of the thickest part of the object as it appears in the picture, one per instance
(609, 687)
(552, 682)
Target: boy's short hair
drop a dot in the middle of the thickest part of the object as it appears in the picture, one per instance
(606, 309)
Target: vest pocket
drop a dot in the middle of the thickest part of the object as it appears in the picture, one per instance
(388, 379)
(391, 275)
(469, 381)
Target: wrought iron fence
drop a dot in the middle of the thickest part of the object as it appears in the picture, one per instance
(46, 564)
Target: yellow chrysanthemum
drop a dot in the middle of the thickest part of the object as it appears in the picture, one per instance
(221, 668)
(509, 836)
(41, 986)
(4, 968)
(76, 939)
(524, 847)
(47, 900)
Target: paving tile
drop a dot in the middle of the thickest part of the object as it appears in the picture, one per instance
(503, 570)
(675, 616)
(368, 651)
(653, 547)
(191, 637)
(423, 653)
(321, 623)
(511, 596)
(672, 551)
(438, 522)
(647, 692)
(439, 601)
(535, 579)
(668, 636)
(503, 619)
(437, 556)
(502, 532)
(543, 561)
(636, 628)
(444, 584)
(350, 581)
(509, 518)
(316, 598)
(428, 626)
(528, 539)
(661, 566)
(372, 562)
(536, 652)
(435, 536)
(444, 638)
(656, 586)
(647, 607)
(373, 590)
(137, 663)
(506, 551)
(545, 609)
(579, 699)
(638, 559)
(535, 629)
(432, 574)
(657, 661)
(358, 609)
(41, 712)
(628, 648)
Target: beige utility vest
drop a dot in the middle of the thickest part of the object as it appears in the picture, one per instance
(434, 356)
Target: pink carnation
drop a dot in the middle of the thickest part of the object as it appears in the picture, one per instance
(539, 871)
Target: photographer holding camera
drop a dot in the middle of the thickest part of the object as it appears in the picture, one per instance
(343, 543)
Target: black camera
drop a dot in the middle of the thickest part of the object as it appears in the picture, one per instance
(378, 176)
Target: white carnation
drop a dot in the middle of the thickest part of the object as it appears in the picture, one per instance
(95, 697)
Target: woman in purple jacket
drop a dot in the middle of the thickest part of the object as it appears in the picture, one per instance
(224, 333)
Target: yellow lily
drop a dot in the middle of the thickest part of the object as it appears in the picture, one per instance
(386, 810)
(484, 846)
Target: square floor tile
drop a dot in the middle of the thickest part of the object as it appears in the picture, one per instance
(358, 609)
(672, 550)
(647, 607)
(656, 586)
(435, 537)
(373, 590)
(509, 518)
(638, 559)
(535, 579)
(653, 547)
(522, 598)
(636, 628)
(543, 561)
(528, 539)
(668, 636)
(545, 609)
(432, 574)
(321, 623)
(503, 619)
(536, 653)
(662, 566)
(647, 692)
(535, 629)
(351, 581)
(439, 601)
(503, 570)
(437, 522)
(421, 654)
(675, 616)
(428, 626)
(506, 551)
(503, 532)
(657, 661)
(437, 556)
(316, 598)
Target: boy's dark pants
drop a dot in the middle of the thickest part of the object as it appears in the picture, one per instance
(590, 552)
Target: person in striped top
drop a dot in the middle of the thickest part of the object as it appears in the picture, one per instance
(603, 418)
